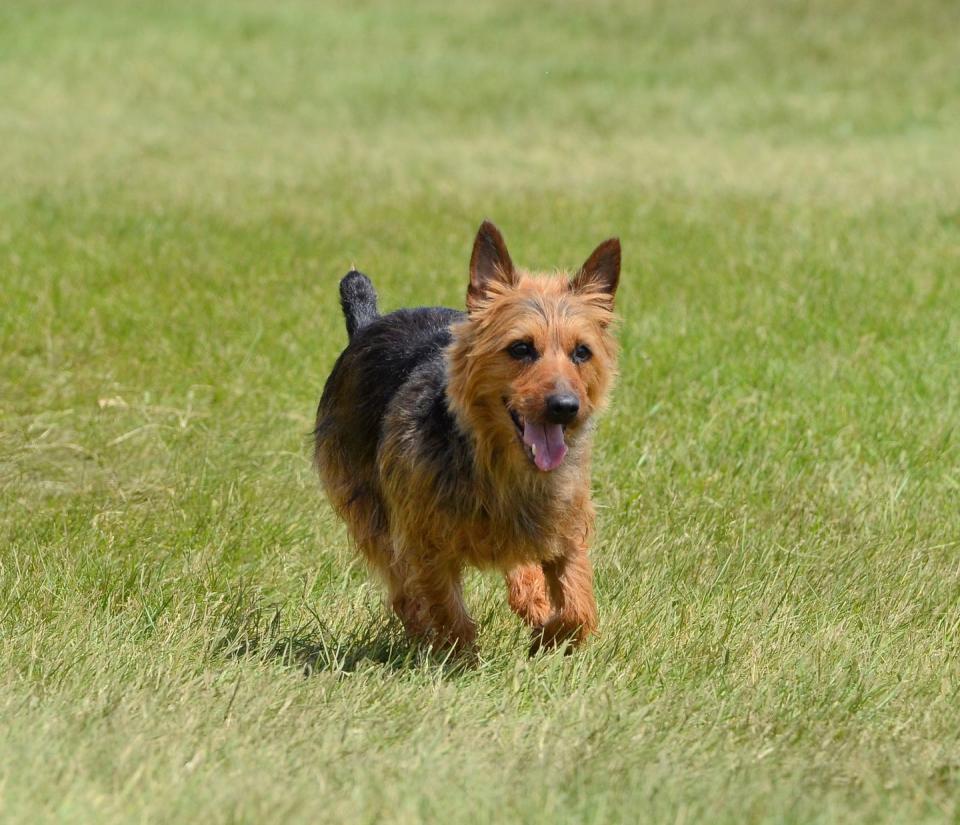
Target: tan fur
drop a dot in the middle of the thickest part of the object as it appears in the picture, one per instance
(535, 527)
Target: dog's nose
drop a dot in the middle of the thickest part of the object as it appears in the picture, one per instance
(562, 407)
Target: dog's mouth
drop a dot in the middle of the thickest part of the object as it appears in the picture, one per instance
(543, 443)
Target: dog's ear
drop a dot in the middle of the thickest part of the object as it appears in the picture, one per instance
(489, 263)
(601, 272)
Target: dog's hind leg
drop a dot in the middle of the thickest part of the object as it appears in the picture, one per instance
(377, 549)
(442, 616)
(402, 600)
(527, 594)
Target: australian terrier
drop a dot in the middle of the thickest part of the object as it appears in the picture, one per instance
(446, 439)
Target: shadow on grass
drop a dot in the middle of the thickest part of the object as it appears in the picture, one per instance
(313, 646)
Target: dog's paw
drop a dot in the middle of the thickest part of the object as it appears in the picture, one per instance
(554, 633)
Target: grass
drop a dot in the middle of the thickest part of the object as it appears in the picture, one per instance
(184, 633)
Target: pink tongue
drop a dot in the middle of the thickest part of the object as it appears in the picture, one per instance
(547, 441)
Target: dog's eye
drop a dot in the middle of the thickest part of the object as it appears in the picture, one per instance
(522, 351)
(581, 353)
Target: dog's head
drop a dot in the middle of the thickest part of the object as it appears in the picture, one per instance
(535, 358)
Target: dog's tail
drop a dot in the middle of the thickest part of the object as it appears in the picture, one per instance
(359, 301)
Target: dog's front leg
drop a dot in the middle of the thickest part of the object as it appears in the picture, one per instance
(527, 594)
(570, 584)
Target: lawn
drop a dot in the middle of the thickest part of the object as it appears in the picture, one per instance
(185, 634)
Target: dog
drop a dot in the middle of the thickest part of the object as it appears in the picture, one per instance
(446, 439)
